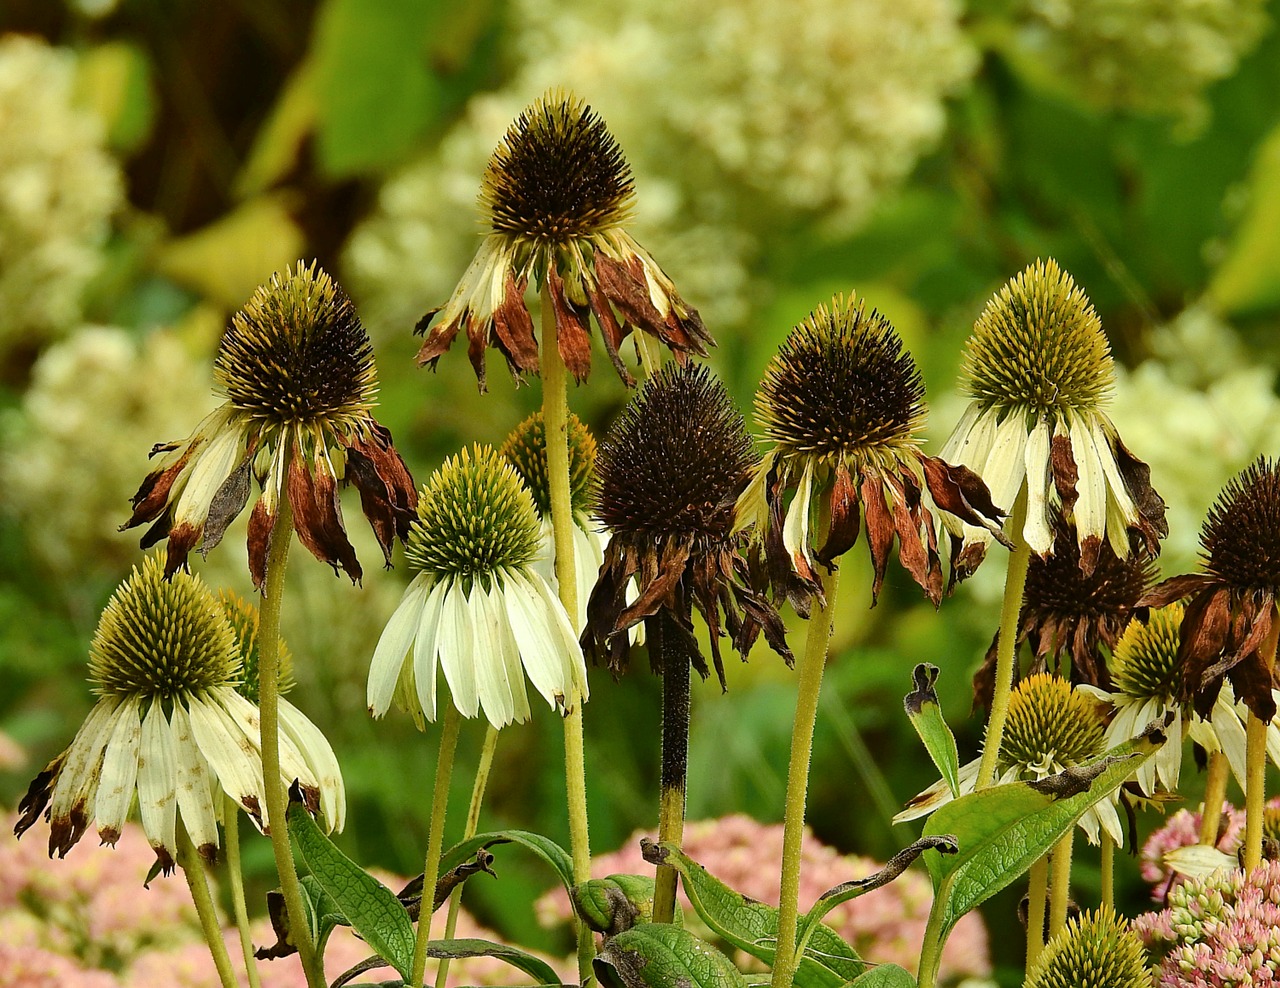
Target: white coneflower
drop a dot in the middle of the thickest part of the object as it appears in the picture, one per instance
(1039, 371)
(297, 370)
(169, 726)
(477, 608)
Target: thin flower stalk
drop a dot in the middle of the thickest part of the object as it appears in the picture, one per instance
(435, 839)
(1107, 866)
(235, 877)
(1255, 795)
(1037, 902)
(677, 669)
(1215, 794)
(193, 871)
(1060, 882)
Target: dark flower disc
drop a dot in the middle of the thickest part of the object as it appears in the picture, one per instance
(1241, 535)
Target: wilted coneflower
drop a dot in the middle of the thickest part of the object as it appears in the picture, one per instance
(297, 370)
(477, 607)
(556, 195)
(526, 450)
(668, 474)
(1039, 372)
(168, 727)
(1067, 614)
(1097, 950)
(843, 402)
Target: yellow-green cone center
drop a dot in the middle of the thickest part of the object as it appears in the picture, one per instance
(526, 450)
(1098, 950)
(475, 519)
(162, 638)
(1048, 720)
(1039, 345)
(1144, 664)
(244, 623)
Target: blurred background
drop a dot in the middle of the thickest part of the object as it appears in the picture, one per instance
(161, 158)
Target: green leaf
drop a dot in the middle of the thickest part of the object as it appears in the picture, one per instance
(1248, 279)
(535, 967)
(616, 903)
(659, 955)
(545, 848)
(369, 906)
(885, 976)
(925, 713)
(828, 962)
(1003, 830)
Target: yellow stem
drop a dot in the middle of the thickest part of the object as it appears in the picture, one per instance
(1255, 763)
(269, 706)
(1108, 865)
(1007, 642)
(193, 871)
(1060, 889)
(1037, 893)
(1215, 793)
(435, 837)
(231, 829)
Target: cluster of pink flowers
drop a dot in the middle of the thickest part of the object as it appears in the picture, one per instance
(1182, 829)
(886, 926)
(88, 922)
(1219, 932)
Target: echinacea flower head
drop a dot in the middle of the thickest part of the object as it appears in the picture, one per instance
(296, 368)
(168, 727)
(1068, 614)
(526, 450)
(1038, 369)
(1051, 727)
(843, 402)
(1095, 950)
(477, 607)
(669, 472)
(556, 196)
(1233, 602)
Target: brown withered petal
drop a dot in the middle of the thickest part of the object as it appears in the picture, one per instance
(317, 516)
(958, 490)
(880, 528)
(387, 494)
(512, 330)
(572, 337)
(1153, 526)
(846, 519)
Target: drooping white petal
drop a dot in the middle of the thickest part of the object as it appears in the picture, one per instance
(1168, 760)
(426, 646)
(1090, 510)
(455, 642)
(508, 653)
(1103, 433)
(548, 649)
(486, 658)
(211, 468)
(752, 508)
(393, 645)
(1038, 530)
(795, 527)
(588, 557)
(970, 440)
(318, 754)
(939, 793)
(573, 667)
(78, 780)
(231, 753)
(192, 783)
(244, 721)
(1227, 734)
(119, 777)
(1006, 464)
(157, 770)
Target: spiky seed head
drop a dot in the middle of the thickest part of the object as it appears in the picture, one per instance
(842, 384)
(1047, 719)
(476, 520)
(1039, 345)
(558, 174)
(526, 450)
(297, 353)
(1096, 950)
(244, 623)
(675, 461)
(1144, 664)
(1056, 586)
(162, 639)
(1241, 535)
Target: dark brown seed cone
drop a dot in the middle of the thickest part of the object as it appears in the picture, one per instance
(1227, 630)
(1068, 614)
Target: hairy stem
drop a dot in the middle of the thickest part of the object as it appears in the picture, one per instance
(193, 871)
(1108, 892)
(1006, 644)
(1060, 888)
(676, 669)
(1255, 763)
(435, 838)
(231, 814)
(1037, 895)
(1215, 793)
(269, 705)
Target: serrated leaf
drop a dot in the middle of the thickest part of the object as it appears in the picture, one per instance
(369, 906)
(659, 955)
(828, 962)
(1002, 830)
(885, 976)
(545, 848)
(925, 713)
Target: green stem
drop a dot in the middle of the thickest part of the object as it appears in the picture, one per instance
(1108, 866)
(930, 949)
(676, 669)
(1060, 887)
(1007, 643)
(555, 422)
(435, 838)
(1215, 793)
(473, 823)
(269, 706)
(1255, 764)
(235, 874)
(193, 871)
(810, 668)
(1037, 894)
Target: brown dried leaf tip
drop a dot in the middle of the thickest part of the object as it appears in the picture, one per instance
(1067, 613)
(842, 401)
(1229, 627)
(668, 474)
(296, 367)
(556, 194)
